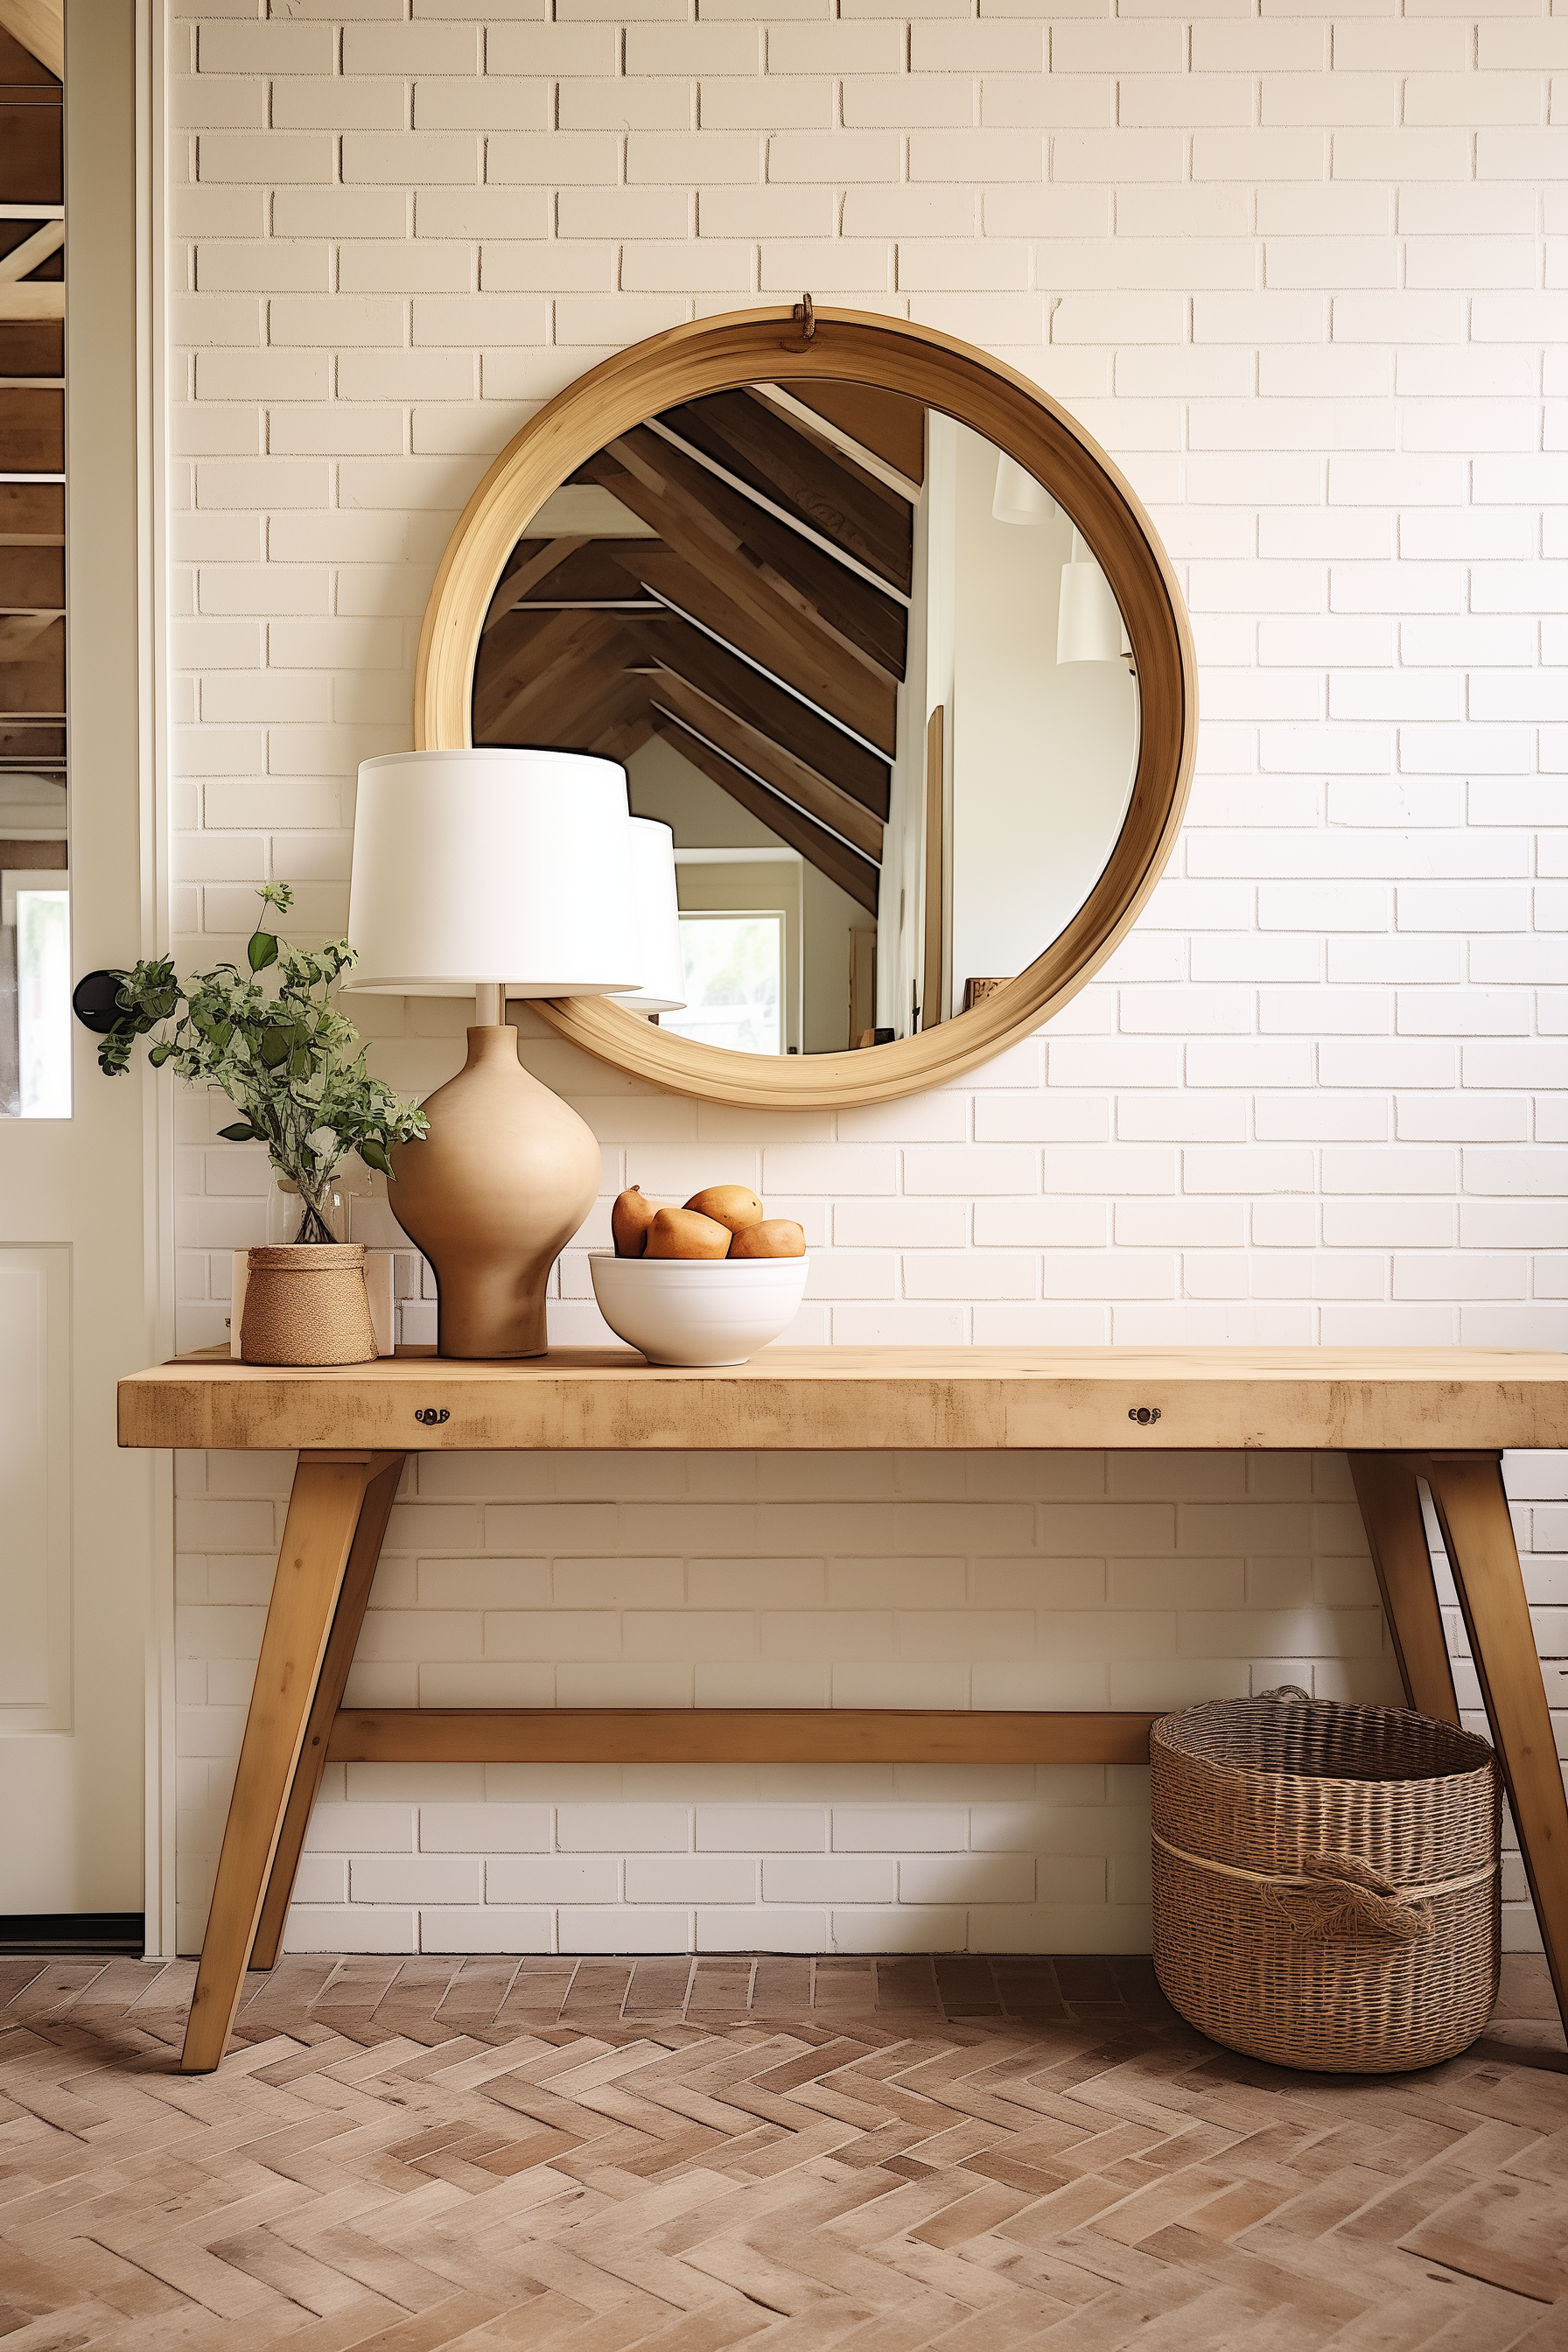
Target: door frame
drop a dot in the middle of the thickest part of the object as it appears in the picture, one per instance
(128, 344)
(151, 165)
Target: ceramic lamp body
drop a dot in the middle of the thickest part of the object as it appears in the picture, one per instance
(495, 1190)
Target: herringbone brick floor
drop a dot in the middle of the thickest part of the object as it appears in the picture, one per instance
(678, 2155)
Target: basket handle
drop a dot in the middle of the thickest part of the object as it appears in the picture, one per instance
(1288, 1690)
(1348, 1895)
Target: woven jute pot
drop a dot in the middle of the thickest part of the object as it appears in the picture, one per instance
(305, 1303)
(1326, 1889)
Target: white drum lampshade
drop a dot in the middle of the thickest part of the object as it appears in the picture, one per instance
(1088, 618)
(473, 867)
(659, 959)
(488, 874)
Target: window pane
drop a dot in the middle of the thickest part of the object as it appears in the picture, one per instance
(734, 981)
(33, 1082)
(43, 1003)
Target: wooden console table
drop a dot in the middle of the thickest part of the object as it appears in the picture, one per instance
(1443, 1414)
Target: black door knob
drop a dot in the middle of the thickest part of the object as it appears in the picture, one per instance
(95, 1000)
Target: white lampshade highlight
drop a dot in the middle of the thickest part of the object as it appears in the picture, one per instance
(1019, 497)
(1088, 618)
(472, 866)
(663, 986)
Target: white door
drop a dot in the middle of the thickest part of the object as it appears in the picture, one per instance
(75, 1514)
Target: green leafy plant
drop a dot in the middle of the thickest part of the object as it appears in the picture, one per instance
(289, 1060)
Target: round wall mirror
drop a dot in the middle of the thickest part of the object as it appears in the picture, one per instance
(887, 643)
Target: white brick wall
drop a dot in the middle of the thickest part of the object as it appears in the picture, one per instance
(1301, 276)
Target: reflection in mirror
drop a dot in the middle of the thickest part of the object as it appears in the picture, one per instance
(863, 666)
(35, 905)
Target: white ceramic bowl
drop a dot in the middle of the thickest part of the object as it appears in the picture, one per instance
(697, 1310)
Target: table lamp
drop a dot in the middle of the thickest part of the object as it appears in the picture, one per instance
(659, 960)
(493, 873)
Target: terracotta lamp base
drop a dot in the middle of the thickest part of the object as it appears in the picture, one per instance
(492, 1195)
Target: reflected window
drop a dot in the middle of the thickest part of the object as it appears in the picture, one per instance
(35, 954)
(43, 1003)
(734, 981)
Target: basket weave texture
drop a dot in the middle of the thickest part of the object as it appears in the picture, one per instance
(306, 1303)
(1349, 1921)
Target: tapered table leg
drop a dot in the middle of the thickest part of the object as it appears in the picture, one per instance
(318, 1536)
(1391, 1513)
(349, 1616)
(1472, 1510)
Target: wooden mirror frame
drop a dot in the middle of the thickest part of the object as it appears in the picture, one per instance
(770, 346)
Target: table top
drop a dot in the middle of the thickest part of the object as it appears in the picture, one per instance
(850, 1400)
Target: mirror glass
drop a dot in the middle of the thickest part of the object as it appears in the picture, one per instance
(863, 666)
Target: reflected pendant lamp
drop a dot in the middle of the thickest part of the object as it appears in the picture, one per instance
(493, 874)
(1019, 497)
(1088, 618)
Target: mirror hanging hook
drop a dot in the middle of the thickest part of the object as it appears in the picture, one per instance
(804, 318)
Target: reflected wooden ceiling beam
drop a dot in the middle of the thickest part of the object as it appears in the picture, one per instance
(724, 678)
(889, 425)
(852, 873)
(819, 663)
(864, 617)
(559, 647)
(782, 643)
(626, 737)
(572, 712)
(836, 497)
(517, 645)
(529, 574)
(588, 576)
(769, 761)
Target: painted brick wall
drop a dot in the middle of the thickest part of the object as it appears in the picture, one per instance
(1299, 272)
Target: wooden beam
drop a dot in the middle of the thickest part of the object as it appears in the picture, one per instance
(818, 663)
(571, 708)
(866, 617)
(33, 252)
(889, 425)
(623, 737)
(753, 697)
(837, 498)
(40, 27)
(644, 1735)
(831, 857)
(515, 655)
(770, 760)
(32, 437)
(42, 298)
(535, 568)
(32, 514)
(19, 633)
(589, 575)
(515, 667)
(800, 656)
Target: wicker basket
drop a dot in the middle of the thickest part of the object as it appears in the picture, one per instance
(1326, 1881)
(306, 1303)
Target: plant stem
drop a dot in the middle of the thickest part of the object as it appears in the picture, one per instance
(313, 1225)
